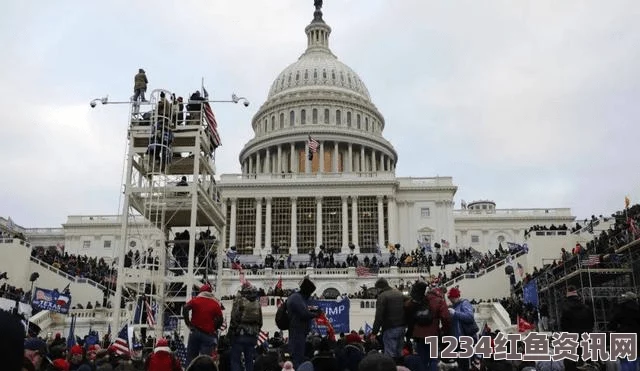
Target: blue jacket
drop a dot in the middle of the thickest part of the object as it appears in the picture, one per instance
(463, 321)
(299, 314)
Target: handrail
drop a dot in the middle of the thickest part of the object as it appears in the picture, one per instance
(483, 271)
(66, 275)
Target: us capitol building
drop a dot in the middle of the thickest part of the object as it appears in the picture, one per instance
(347, 195)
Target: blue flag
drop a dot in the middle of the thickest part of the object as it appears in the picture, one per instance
(367, 329)
(530, 293)
(71, 339)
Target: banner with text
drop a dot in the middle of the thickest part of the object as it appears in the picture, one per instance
(51, 300)
(337, 312)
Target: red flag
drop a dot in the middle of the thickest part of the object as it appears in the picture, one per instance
(524, 326)
(279, 283)
(322, 320)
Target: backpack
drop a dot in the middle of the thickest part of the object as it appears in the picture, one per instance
(250, 312)
(422, 315)
(282, 316)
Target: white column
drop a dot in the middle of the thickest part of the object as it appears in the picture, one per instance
(380, 222)
(245, 167)
(307, 163)
(258, 238)
(318, 221)
(294, 226)
(321, 161)
(345, 225)
(267, 233)
(393, 220)
(374, 164)
(232, 222)
(251, 165)
(258, 169)
(334, 166)
(292, 158)
(267, 162)
(362, 163)
(280, 168)
(354, 223)
(350, 160)
(388, 163)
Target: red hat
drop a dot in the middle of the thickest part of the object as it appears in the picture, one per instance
(353, 337)
(206, 288)
(162, 345)
(93, 348)
(61, 365)
(76, 350)
(454, 293)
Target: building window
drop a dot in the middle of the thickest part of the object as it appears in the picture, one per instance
(324, 74)
(358, 121)
(475, 239)
(314, 116)
(281, 222)
(326, 116)
(86, 244)
(273, 122)
(303, 117)
(107, 244)
(332, 222)
(282, 121)
(385, 209)
(366, 124)
(245, 225)
(500, 239)
(292, 118)
(132, 244)
(425, 212)
(263, 222)
(306, 74)
(367, 223)
(348, 119)
(315, 74)
(306, 218)
(338, 117)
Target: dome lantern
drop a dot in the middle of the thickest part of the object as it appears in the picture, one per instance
(318, 31)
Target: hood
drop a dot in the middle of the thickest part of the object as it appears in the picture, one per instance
(249, 293)
(205, 294)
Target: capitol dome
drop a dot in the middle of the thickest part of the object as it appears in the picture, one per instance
(321, 98)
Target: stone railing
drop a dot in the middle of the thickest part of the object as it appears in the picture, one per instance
(382, 175)
(68, 276)
(563, 232)
(12, 240)
(483, 271)
(558, 212)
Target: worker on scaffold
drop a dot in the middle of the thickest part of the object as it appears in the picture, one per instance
(140, 82)
(206, 319)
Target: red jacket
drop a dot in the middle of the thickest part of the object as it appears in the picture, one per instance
(439, 311)
(204, 311)
(162, 360)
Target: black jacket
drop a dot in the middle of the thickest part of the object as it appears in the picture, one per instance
(576, 317)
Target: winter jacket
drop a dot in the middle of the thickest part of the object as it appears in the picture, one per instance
(299, 314)
(389, 310)
(576, 317)
(439, 311)
(246, 300)
(140, 81)
(205, 311)
(463, 322)
(162, 361)
(626, 318)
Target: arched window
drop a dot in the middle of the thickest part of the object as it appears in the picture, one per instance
(338, 117)
(314, 116)
(326, 116)
(333, 75)
(281, 120)
(303, 117)
(264, 126)
(315, 74)
(358, 121)
(297, 76)
(324, 74)
(366, 124)
(273, 122)
(348, 119)
(292, 118)
(306, 74)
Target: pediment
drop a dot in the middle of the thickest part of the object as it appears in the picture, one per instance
(426, 229)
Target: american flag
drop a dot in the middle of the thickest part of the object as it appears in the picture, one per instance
(121, 345)
(213, 124)
(150, 314)
(313, 147)
(593, 260)
(181, 352)
(223, 327)
(262, 337)
(363, 271)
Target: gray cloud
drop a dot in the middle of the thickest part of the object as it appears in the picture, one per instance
(532, 104)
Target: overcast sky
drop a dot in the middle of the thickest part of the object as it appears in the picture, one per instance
(527, 103)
